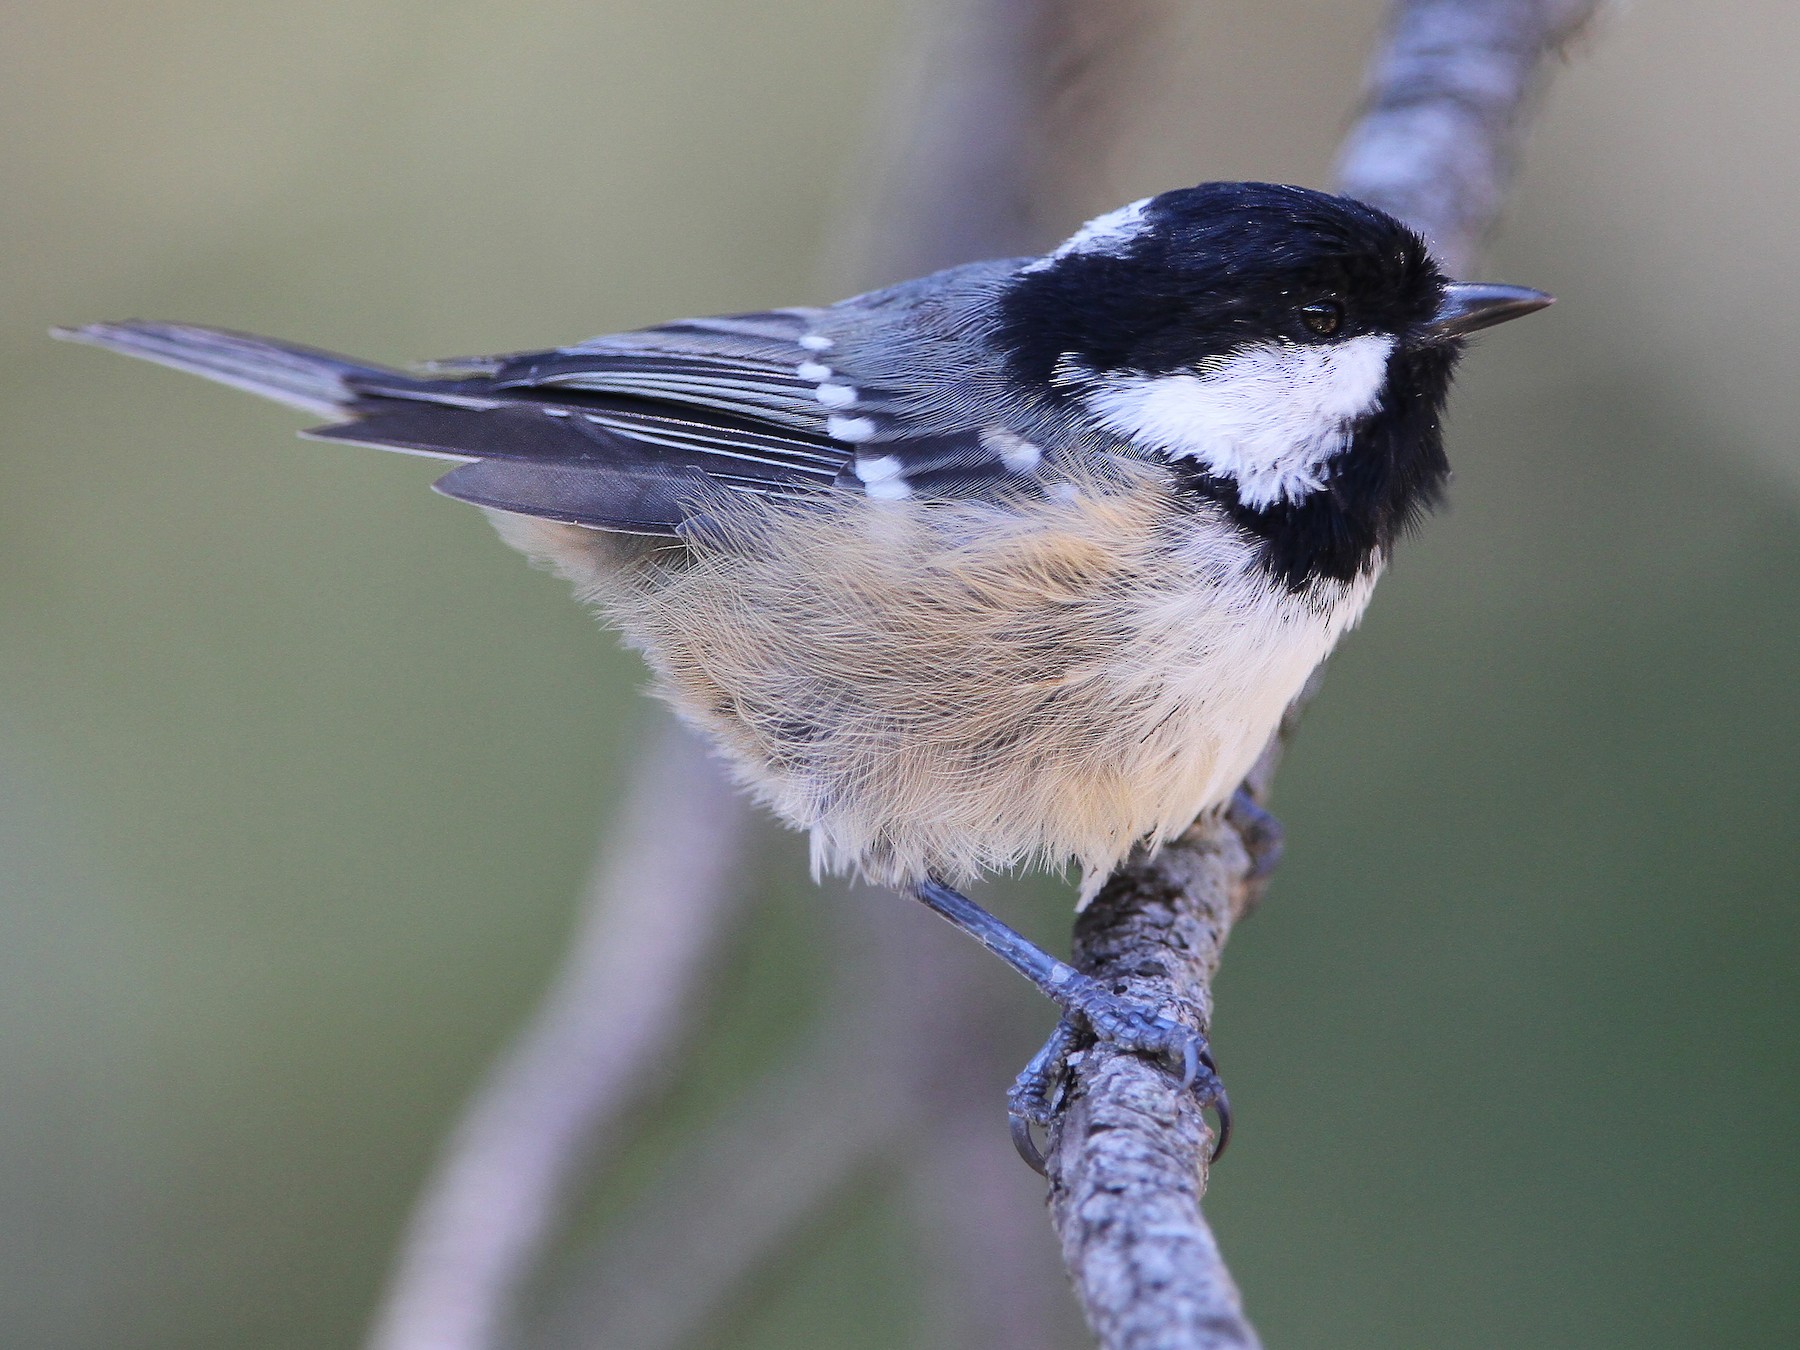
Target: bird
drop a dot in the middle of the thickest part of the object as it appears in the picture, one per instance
(1015, 564)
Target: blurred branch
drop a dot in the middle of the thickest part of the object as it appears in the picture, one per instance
(880, 1089)
(1006, 130)
(659, 898)
(849, 1095)
(1448, 100)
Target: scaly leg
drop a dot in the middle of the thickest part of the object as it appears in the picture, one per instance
(1119, 1021)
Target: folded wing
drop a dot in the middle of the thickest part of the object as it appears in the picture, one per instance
(636, 431)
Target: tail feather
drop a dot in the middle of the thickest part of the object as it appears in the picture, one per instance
(301, 377)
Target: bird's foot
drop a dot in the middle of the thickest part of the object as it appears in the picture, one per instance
(1127, 1026)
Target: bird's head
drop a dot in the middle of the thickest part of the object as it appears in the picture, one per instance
(1288, 349)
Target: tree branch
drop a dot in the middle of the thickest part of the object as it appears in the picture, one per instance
(1127, 1165)
(1448, 99)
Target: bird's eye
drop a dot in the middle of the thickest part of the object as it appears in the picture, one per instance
(1323, 317)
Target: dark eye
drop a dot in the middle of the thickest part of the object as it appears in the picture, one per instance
(1323, 317)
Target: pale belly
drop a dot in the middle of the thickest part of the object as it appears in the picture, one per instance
(956, 689)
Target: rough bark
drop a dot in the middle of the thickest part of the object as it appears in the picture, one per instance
(1127, 1165)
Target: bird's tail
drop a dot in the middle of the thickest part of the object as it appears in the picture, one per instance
(301, 377)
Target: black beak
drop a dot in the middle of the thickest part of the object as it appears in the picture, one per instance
(1471, 306)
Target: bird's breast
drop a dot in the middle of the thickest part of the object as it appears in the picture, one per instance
(956, 687)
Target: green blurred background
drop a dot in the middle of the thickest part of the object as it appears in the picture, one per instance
(300, 769)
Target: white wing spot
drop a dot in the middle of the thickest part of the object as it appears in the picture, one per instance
(815, 342)
(812, 370)
(836, 395)
(876, 469)
(1016, 453)
(851, 429)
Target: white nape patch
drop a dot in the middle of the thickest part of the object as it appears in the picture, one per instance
(1269, 417)
(836, 395)
(1110, 233)
(1016, 453)
(815, 342)
(883, 477)
(812, 370)
(851, 429)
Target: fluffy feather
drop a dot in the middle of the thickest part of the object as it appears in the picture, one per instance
(950, 688)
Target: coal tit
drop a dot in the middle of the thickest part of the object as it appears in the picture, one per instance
(1016, 563)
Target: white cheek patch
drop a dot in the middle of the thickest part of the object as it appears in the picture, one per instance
(1270, 417)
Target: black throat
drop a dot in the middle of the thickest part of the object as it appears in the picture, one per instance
(1392, 473)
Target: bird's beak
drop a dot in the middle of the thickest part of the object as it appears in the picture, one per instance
(1471, 306)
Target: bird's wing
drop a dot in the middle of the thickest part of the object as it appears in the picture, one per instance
(636, 431)
(627, 432)
(631, 430)
(746, 365)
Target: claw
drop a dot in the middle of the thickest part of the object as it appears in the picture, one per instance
(1212, 1094)
(1221, 1106)
(1130, 1027)
(1087, 1007)
(1025, 1143)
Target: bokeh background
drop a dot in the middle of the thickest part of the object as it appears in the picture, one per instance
(300, 770)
